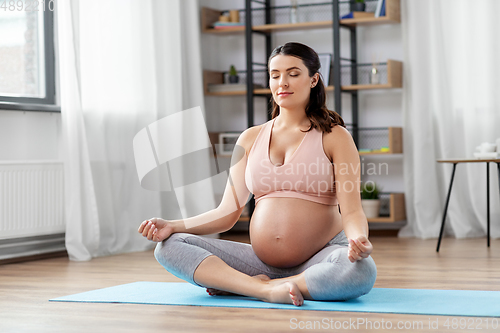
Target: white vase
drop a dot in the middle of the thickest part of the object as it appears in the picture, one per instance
(371, 207)
(374, 76)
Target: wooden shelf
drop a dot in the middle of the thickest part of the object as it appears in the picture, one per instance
(293, 26)
(227, 93)
(395, 143)
(394, 78)
(261, 91)
(216, 77)
(240, 92)
(368, 21)
(397, 210)
(225, 31)
(367, 86)
(209, 16)
(301, 26)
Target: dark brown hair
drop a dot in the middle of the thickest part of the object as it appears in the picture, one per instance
(316, 110)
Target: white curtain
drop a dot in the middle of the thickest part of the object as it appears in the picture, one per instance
(124, 65)
(451, 104)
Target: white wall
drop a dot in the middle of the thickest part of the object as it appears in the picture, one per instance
(377, 108)
(26, 135)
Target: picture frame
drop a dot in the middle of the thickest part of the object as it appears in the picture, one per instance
(227, 141)
(326, 65)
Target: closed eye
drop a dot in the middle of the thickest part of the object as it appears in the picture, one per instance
(275, 77)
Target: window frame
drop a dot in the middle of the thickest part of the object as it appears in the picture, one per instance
(48, 103)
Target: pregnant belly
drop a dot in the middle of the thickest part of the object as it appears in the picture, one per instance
(285, 232)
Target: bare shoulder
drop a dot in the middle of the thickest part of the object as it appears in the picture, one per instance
(248, 136)
(338, 141)
(338, 135)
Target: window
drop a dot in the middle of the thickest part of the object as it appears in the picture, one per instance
(27, 77)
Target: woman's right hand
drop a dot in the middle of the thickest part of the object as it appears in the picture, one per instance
(156, 229)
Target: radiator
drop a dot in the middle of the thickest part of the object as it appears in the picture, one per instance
(31, 208)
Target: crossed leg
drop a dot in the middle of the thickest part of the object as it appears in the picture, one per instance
(298, 279)
(233, 281)
(226, 267)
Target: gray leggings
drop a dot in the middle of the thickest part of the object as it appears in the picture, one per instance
(329, 274)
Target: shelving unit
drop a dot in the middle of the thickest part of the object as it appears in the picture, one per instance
(355, 84)
(209, 16)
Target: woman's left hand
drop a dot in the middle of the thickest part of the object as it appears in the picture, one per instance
(359, 248)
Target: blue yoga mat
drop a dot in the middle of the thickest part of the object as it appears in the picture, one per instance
(470, 303)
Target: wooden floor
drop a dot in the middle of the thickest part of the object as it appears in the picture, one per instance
(25, 289)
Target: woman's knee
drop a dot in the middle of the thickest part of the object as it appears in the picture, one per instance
(365, 275)
(360, 275)
(163, 248)
(159, 249)
(340, 279)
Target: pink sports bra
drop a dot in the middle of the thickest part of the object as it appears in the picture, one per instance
(307, 175)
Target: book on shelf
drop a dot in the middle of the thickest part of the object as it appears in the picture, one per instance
(379, 7)
(231, 87)
(380, 150)
(382, 10)
(357, 15)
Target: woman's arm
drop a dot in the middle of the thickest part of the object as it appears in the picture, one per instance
(220, 219)
(347, 183)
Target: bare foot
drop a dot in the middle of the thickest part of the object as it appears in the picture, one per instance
(214, 292)
(286, 292)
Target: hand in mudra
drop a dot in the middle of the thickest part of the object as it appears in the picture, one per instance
(359, 248)
(156, 229)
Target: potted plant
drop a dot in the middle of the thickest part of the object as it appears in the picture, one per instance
(359, 5)
(370, 199)
(233, 75)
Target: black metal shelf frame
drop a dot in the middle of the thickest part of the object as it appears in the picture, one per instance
(249, 55)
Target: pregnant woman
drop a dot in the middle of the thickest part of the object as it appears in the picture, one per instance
(301, 166)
